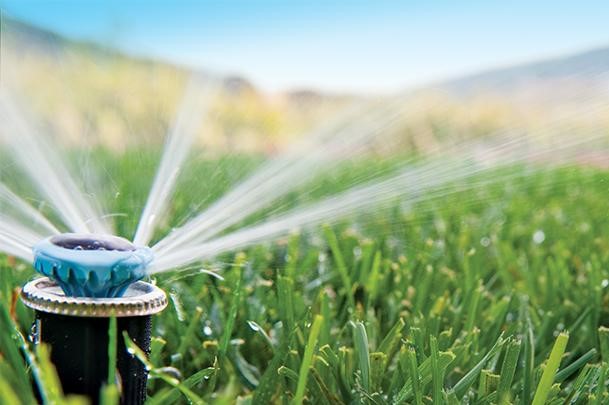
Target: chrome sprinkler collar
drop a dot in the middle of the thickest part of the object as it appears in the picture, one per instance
(139, 299)
(91, 265)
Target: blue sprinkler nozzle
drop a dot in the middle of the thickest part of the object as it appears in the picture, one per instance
(89, 265)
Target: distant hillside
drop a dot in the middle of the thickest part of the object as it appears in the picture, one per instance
(573, 84)
(590, 65)
(88, 91)
(23, 38)
(115, 99)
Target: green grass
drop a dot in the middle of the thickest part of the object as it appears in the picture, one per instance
(452, 301)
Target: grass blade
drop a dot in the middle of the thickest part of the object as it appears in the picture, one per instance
(547, 378)
(437, 377)
(234, 307)
(307, 359)
(574, 366)
(469, 378)
(112, 348)
(340, 264)
(415, 377)
(508, 369)
(363, 356)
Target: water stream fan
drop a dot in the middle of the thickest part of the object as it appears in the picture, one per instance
(91, 278)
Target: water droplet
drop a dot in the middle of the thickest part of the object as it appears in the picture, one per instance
(177, 304)
(207, 330)
(34, 337)
(485, 241)
(78, 247)
(538, 237)
(130, 351)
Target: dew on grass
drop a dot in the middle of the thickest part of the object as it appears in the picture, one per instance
(177, 304)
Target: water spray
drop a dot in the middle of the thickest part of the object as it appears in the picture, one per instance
(89, 279)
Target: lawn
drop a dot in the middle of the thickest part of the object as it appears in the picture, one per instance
(496, 294)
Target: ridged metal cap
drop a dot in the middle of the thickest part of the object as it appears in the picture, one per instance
(140, 299)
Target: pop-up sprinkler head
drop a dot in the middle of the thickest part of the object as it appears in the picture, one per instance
(87, 265)
(92, 278)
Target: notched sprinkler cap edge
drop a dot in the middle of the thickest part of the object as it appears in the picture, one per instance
(91, 265)
(139, 299)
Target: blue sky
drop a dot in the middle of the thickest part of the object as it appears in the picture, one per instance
(354, 45)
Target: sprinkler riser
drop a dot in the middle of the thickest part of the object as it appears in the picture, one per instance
(79, 351)
(77, 331)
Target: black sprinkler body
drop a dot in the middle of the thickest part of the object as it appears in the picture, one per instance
(92, 278)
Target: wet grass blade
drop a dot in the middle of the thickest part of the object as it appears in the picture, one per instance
(11, 341)
(48, 377)
(135, 350)
(234, 307)
(172, 396)
(191, 329)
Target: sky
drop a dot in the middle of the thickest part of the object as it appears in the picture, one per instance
(340, 46)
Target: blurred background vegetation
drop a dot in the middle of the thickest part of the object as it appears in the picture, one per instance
(91, 95)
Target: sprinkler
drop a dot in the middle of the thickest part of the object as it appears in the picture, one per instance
(100, 266)
(89, 279)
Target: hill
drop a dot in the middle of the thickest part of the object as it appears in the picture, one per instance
(88, 91)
